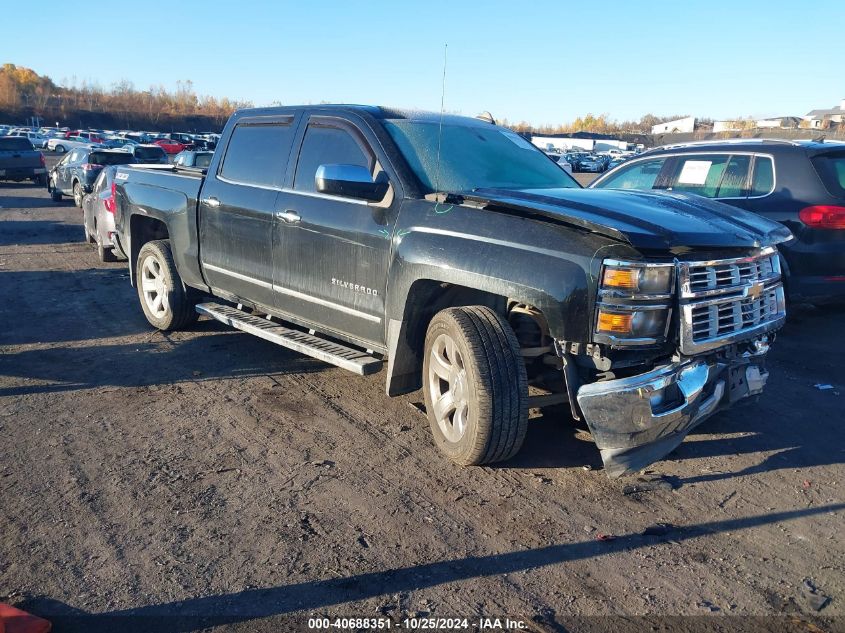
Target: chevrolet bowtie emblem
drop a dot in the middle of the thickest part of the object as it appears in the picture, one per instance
(754, 291)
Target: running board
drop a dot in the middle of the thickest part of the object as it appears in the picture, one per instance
(346, 357)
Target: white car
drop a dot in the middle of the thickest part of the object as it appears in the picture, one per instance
(560, 159)
(62, 145)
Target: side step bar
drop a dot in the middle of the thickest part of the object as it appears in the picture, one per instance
(346, 357)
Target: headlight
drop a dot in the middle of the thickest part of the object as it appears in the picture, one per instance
(634, 302)
(633, 279)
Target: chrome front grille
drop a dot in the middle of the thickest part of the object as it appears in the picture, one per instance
(728, 300)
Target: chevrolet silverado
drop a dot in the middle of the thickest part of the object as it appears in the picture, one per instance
(473, 264)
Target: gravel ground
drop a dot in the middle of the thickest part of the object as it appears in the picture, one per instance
(208, 480)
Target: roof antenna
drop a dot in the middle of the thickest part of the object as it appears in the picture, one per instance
(440, 131)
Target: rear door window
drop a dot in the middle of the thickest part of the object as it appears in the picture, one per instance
(831, 169)
(640, 175)
(711, 175)
(257, 154)
(327, 145)
(763, 178)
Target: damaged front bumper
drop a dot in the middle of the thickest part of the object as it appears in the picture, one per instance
(637, 420)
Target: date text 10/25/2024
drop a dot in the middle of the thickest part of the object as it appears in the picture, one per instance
(417, 624)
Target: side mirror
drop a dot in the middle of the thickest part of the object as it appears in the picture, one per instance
(349, 181)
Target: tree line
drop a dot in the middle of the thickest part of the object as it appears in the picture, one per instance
(24, 89)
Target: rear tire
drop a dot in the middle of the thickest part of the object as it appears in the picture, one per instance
(166, 301)
(60, 149)
(475, 386)
(77, 194)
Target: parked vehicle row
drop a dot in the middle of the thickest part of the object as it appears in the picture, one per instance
(63, 139)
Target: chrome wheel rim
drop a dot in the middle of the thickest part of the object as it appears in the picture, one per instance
(153, 287)
(77, 194)
(449, 389)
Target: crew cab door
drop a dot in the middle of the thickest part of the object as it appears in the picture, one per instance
(332, 251)
(236, 206)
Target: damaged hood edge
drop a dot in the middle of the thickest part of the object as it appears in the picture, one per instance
(648, 220)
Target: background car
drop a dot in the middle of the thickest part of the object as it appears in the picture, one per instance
(64, 145)
(590, 164)
(91, 137)
(98, 209)
(39, 141)
(147, 154)
(193, 158)
(20, 161)
(75, 173)
(170, 146)
(798, 183)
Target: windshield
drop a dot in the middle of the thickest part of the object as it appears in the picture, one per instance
(15, 144)
(110, 158)
(474, 157)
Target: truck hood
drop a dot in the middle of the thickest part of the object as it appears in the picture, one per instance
(648, 220)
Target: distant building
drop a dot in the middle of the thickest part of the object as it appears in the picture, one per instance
(775, 122)
(727, 126)
(687, 124)
(780, 122)
(817, 118)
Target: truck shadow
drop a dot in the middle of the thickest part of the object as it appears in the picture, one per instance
(69, 305)
(225, 354)
(204, 612)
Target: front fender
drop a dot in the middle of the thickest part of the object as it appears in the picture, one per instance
(557, 286)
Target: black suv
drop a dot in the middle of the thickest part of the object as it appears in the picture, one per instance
(798, 183)
(75, 174)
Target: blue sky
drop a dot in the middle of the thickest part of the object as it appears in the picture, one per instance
(544, 62)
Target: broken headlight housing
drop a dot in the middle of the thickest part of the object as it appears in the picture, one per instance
(634, 305)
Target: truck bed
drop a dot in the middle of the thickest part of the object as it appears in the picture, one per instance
(166, 193)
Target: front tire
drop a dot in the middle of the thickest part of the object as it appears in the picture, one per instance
(166, 301)
(60, 149)
(55, 194)
(475, 386)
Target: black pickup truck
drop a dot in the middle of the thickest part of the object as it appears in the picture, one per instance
(472, 263)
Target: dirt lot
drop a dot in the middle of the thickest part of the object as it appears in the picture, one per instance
(209, 480)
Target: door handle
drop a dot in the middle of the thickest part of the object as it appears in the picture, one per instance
(288, 216)
(212, 202)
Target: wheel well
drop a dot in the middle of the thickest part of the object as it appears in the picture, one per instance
(142, 230)
(426, 298)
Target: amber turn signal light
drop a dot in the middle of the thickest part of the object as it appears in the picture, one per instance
(627, 278)
(616, 323)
